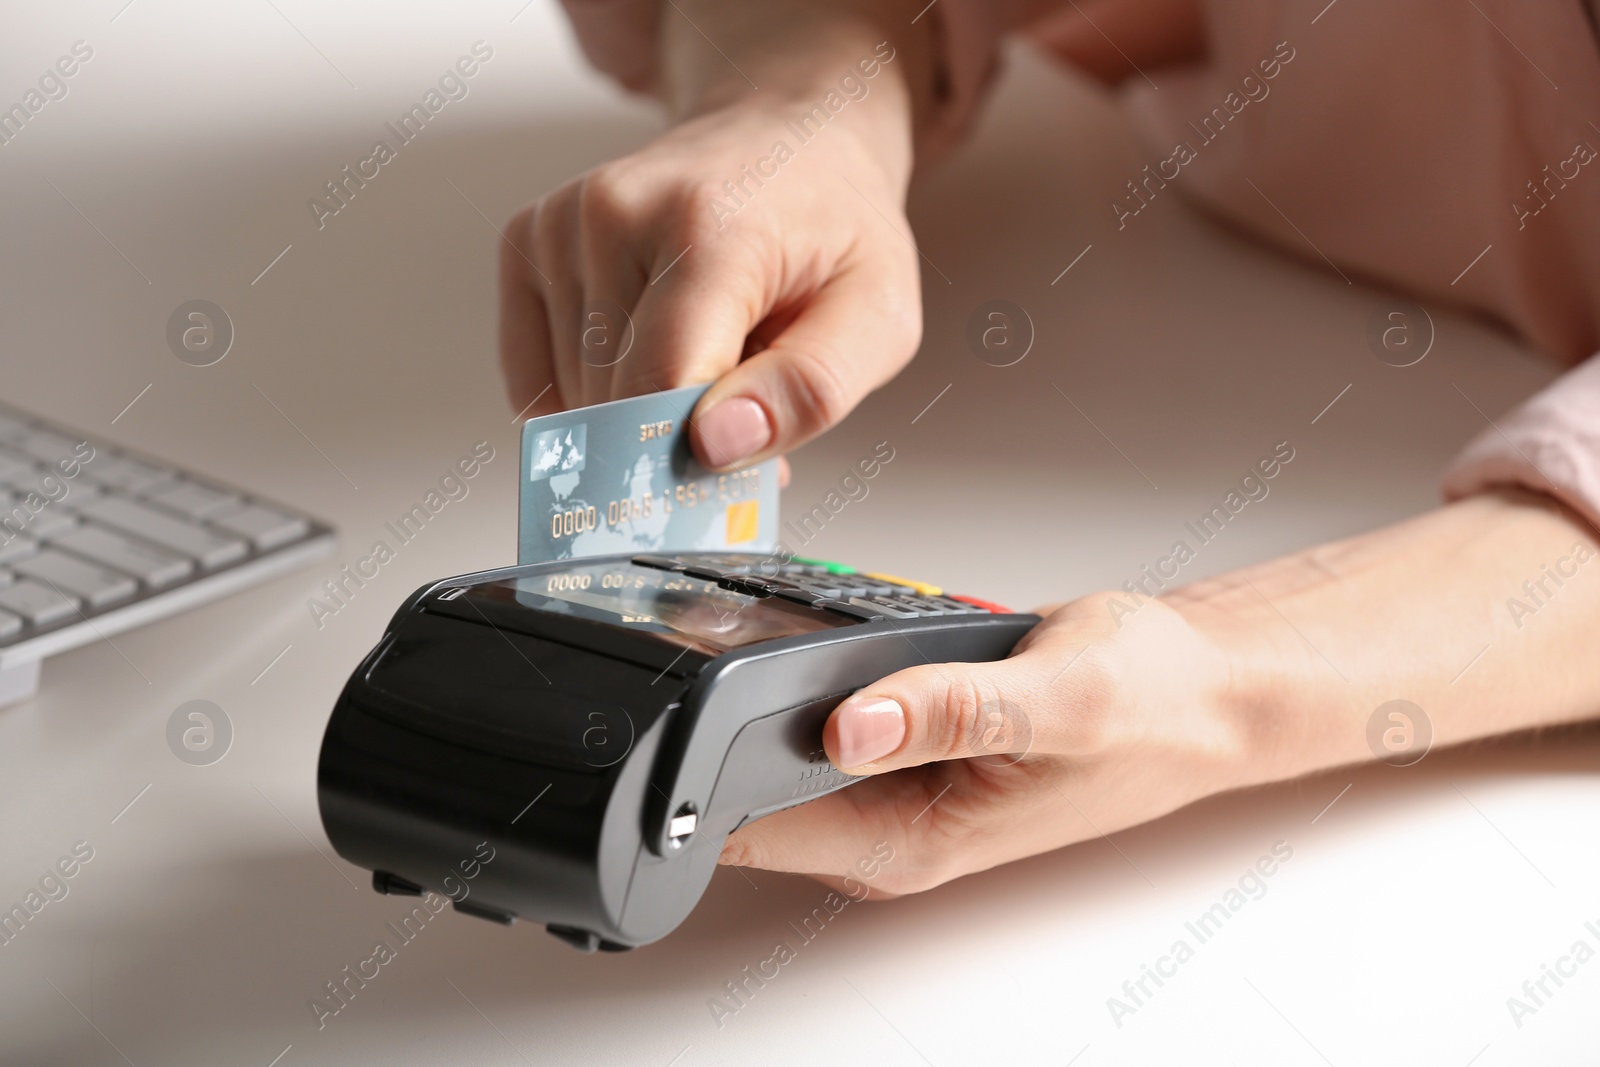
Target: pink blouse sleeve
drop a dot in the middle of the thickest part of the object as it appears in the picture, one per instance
(619, 37)
(1550, 444)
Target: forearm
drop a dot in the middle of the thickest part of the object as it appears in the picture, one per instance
(1485, 614)
(718, 53)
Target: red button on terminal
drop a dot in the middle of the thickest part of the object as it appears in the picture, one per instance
(986, 605)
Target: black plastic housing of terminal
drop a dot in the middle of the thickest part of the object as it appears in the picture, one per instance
(568, 744)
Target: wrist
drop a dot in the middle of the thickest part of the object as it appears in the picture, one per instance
(1274, 679)
(864, 61)
(859, 131)
(1320, 641)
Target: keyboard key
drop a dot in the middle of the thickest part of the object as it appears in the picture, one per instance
(17, 548)
(19, 481)
(14, 465)
(954, 606)
(191, 499)
(266, 528)
(11, 425)
(875, 587)
(802, 596)
(856, 608)
(824, 566)
(149, 564)
(49, 447)
(36, 602)
(831, 587)
(897, 607)
(922, 587)
(63, 490)
(982, 605)
(166, 531)
(81, 494)
(9, 624)
(129, 475)
(52, 520)
(97, 586)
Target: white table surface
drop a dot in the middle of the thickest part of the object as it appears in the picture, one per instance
(213, 910)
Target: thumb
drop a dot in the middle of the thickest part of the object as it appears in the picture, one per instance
(853, 334)
(939, 712)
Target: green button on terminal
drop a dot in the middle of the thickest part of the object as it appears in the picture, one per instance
(827, 565)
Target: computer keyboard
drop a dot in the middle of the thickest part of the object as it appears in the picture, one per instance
(95, 539)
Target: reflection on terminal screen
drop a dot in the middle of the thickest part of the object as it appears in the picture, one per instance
(681, 609)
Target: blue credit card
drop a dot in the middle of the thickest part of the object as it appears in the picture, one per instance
(619, 477)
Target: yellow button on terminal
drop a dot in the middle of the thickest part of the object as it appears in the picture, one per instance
(921, 587)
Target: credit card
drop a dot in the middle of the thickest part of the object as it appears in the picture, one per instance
(620, 477)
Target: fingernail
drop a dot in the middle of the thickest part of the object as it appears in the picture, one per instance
(869, 730)
(734, 430)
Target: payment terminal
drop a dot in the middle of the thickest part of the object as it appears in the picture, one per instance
(603, 725)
